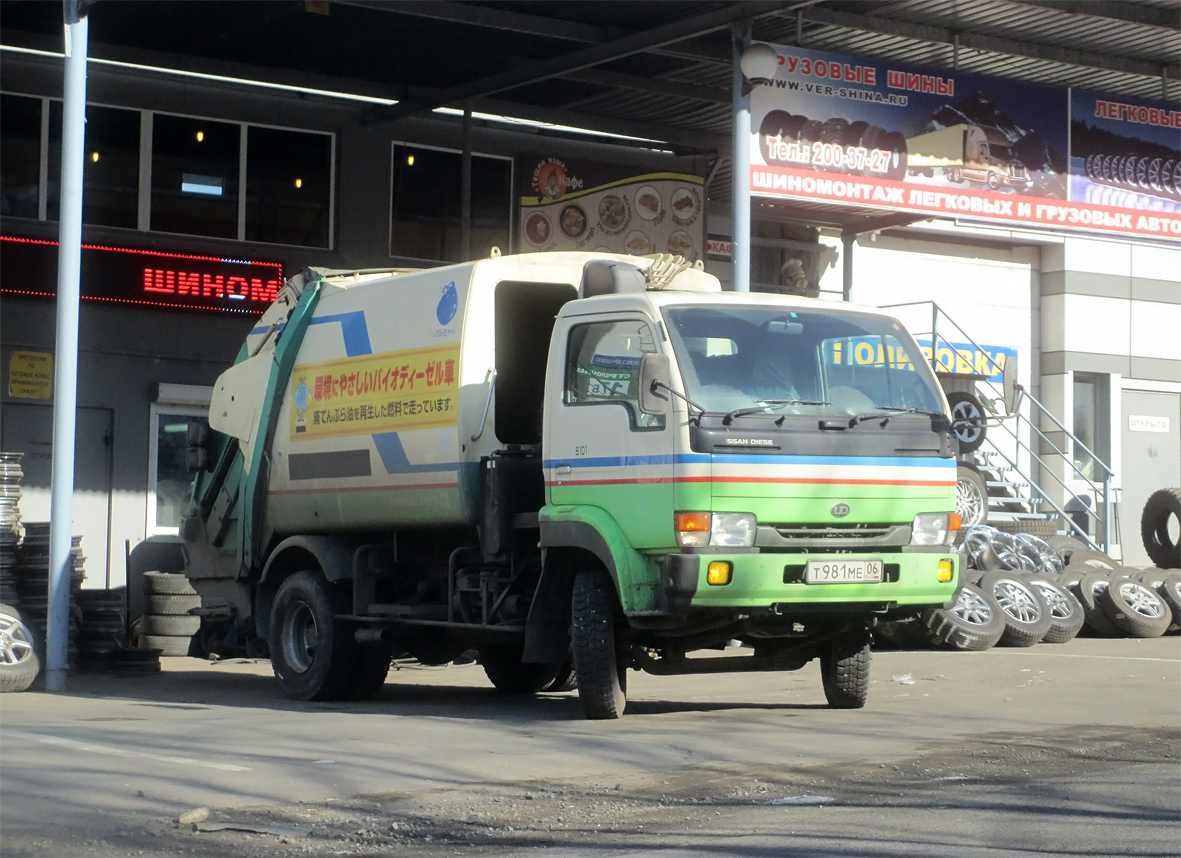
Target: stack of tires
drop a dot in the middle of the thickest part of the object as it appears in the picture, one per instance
(779, 125)
(1143, 174)
(170, 620)
(1019, 590)
(104, 629)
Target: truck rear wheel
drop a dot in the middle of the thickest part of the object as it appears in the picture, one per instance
(844, 669)
(311, 653)
(602, 677)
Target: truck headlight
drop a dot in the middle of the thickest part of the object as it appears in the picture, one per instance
(733, 529)
(934, 528)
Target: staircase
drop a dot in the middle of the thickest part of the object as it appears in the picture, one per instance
(1026, 457)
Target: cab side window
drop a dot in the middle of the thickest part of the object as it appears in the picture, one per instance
(603, 366)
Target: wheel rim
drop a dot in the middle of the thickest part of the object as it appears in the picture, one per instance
(969, 501)
(1059, 607)
(1016, 601)
(300, 637)
(15, 645)
(965, 422)
(972, 608)
(1141, 600)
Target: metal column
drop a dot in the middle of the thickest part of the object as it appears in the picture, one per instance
(740, 228)
(65, 381)
(465, 185)
(848, 240)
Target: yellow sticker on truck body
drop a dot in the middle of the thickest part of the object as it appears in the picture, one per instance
(387, 392)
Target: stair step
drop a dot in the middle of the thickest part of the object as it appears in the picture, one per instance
(1017, 516)
(1005, 484)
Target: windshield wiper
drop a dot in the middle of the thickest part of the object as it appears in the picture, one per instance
(893, 409)
(765, 405)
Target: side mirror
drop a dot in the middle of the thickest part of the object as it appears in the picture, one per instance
(1009, 384)
(654, 371)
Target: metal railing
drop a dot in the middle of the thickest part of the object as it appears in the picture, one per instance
(1049, 457)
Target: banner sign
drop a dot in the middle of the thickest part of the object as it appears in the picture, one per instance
(877, 134)
(388, 392)
(584, 205)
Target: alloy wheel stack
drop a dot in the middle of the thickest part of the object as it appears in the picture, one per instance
(10, 519)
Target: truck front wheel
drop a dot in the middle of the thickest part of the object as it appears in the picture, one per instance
(844, 668)
(601, 674)
(312, 654)
(506, 671)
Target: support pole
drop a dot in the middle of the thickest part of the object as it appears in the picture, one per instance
(465, 192)
(740, 228)
(848, 240)
(65, 382)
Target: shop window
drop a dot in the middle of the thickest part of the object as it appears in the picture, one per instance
(425, 204)
(1091, 422)
(110, 177)
(288, 186)
(195, 176)
(20, 155)
(170, 478)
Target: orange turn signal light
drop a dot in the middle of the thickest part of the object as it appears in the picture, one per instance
(691, 522)
(954, 521)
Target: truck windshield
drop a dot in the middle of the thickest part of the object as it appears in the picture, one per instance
(799, 362)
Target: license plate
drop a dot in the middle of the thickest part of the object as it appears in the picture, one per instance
(843, 572)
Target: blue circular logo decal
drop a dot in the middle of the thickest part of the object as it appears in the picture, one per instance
(448, 304)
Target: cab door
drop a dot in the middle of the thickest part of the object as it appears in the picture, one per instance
(599, 449)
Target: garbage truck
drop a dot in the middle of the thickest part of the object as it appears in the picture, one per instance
(575, 465)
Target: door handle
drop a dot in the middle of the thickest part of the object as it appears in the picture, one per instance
(563, 469)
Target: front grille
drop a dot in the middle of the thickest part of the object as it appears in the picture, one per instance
(823, 531)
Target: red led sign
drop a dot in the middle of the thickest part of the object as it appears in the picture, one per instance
(143, 277)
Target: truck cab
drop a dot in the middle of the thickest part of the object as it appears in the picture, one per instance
(576, 465)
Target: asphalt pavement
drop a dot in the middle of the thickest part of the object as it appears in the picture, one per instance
(1072, 749)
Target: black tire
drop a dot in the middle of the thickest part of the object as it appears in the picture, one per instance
(844, 670)
(564, 680)
(992, 181)
(602, 675)
(1138, 611)
(1094, 617)
(1066, 546)
(971, 496)
(1026, 614)
(167, 644)
(967, 420)
(1097, 560)
(510, 675)
(371, 666)
(909, 633)
(1170, 591)
(973, 623)
(1066, 612)
(19, 663)
(170, 626)
(896, 143)
(167, 584)
(1162, 508)
(170, 606)
(312, 654)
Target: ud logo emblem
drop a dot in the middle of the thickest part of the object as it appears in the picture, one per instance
(840, 510)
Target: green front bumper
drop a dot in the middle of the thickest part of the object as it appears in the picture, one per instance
(758, 580)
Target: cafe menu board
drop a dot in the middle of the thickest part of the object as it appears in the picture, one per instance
(566, 205)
